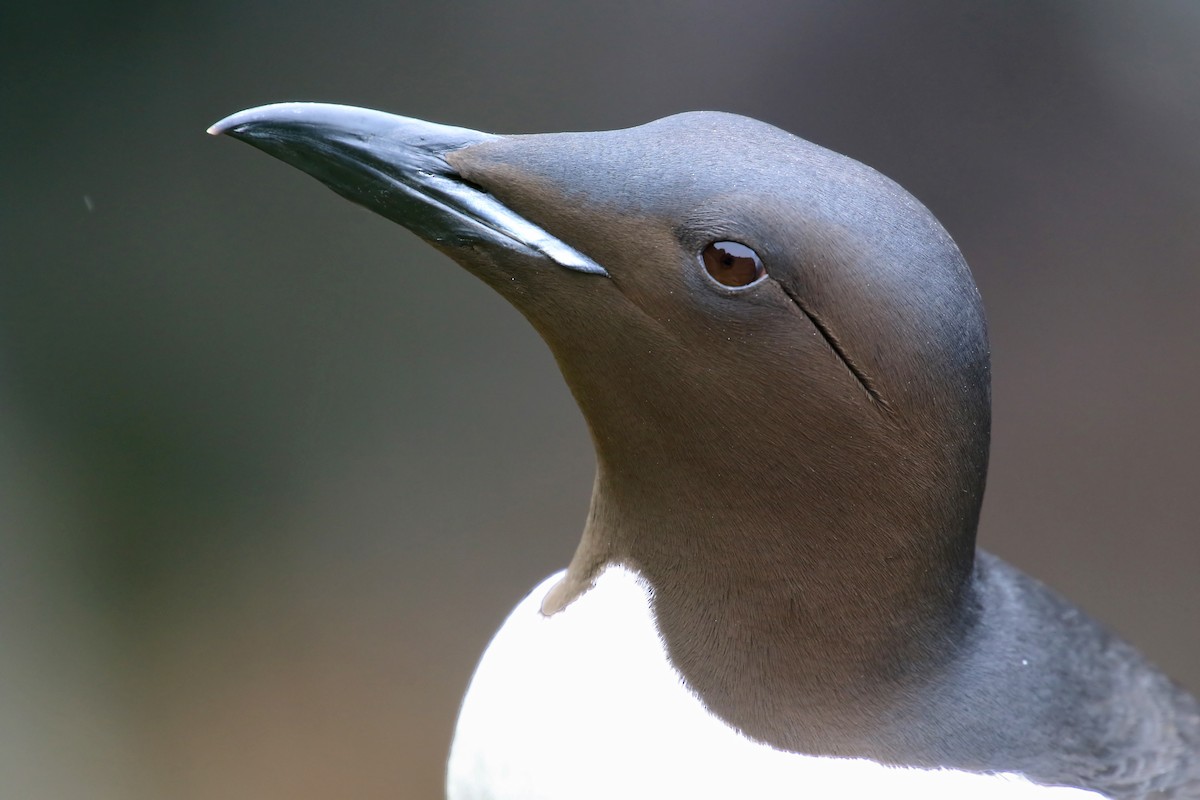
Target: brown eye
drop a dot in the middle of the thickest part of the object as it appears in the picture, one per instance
(732, 264)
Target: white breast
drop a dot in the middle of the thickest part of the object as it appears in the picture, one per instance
(585, 705)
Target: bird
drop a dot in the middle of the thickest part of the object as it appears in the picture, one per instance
(782, 360)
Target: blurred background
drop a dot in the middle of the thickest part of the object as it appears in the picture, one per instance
(272, 471)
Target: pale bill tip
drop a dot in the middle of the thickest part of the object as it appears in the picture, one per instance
(258, 113)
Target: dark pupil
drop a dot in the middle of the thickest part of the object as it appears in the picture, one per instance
(732, 264)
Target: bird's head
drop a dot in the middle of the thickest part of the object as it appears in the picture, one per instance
(745, 318)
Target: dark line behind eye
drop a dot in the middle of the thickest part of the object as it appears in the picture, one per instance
(867, 384)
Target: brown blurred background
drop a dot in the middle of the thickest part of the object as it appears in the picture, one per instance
(272, 471)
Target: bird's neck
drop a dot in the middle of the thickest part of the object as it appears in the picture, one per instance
(806, 603)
